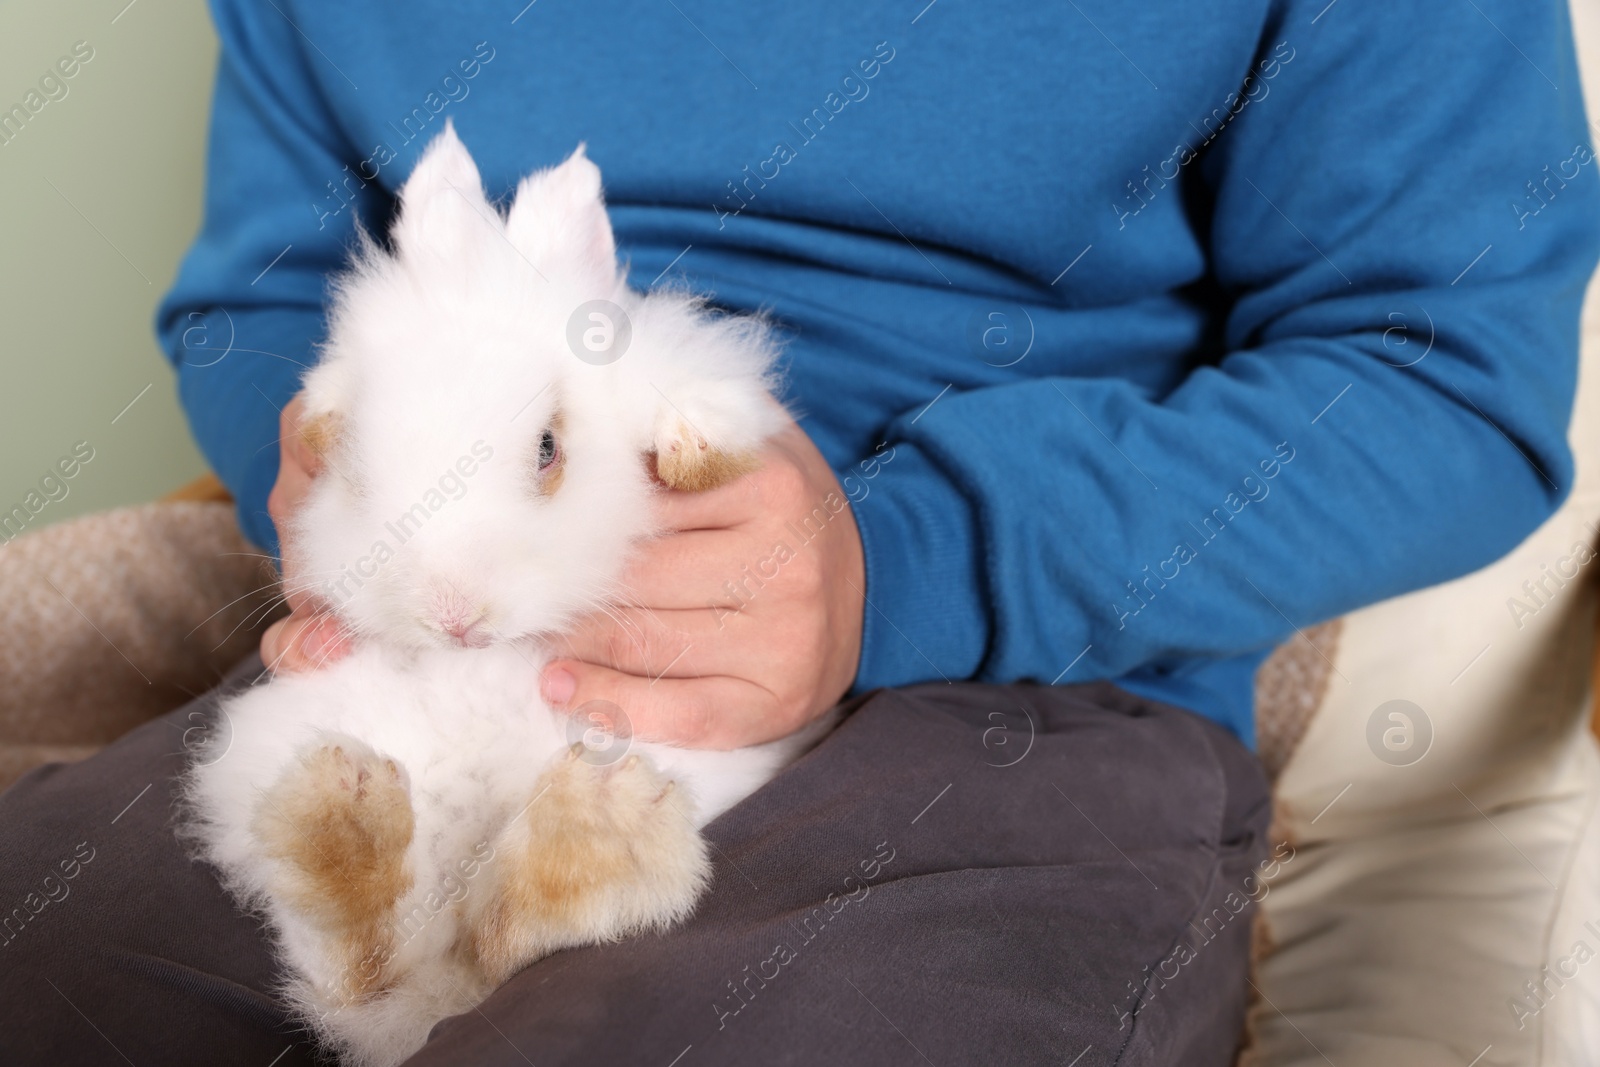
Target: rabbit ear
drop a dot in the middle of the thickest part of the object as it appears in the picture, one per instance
(442, 205)
(558, 220)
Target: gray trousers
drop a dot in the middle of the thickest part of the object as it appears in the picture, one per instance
(960, 874)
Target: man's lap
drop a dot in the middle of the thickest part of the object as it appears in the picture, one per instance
(959, 874)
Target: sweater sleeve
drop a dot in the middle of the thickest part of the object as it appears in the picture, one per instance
(1399, 236)
(243, 318)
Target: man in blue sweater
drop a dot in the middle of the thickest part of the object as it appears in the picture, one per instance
(1136, 338)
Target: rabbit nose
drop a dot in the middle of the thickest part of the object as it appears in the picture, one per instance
(460, 618)
(473, 634)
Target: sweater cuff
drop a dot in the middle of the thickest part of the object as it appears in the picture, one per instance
(925, 618)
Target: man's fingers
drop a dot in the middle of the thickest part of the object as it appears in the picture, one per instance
(281, 503)
(697, 569)
(303, 642)
(297, 465)
(711, 509)
(715, 712)
(655, 644)
(737, 502)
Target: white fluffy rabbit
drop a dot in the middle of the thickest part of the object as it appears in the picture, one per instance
(411, 821)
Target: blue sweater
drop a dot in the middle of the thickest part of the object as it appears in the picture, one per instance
(1140, 334)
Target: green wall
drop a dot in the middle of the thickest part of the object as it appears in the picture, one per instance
(99, 196)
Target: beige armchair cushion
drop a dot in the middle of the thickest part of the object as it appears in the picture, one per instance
(116, 617)
(1443, 904)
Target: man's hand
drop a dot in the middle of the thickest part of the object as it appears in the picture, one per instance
(742, 623)
(309, 636)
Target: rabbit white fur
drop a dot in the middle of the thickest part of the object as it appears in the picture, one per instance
(413, 824)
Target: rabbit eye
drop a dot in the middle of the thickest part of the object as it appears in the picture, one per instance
(549, 461)
(549, 451)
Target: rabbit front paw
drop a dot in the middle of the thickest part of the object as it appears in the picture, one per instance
(711, 435)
